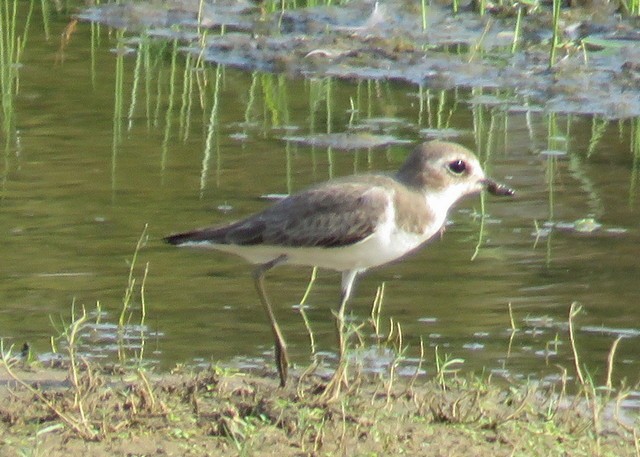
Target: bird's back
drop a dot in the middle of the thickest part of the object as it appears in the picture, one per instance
(336, 213)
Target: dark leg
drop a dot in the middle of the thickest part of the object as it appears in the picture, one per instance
(282, 358)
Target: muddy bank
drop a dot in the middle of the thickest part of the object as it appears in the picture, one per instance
(594, 70)
(217, 412)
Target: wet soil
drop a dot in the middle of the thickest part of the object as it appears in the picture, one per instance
(217, 412)
(593, 71)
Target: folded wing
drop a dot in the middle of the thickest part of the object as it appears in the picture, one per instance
(328, 216)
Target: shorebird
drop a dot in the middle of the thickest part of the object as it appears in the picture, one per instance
(350, 224)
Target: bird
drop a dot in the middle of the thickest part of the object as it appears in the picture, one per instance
(350, 224)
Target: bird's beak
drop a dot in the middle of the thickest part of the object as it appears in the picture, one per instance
(497, 188)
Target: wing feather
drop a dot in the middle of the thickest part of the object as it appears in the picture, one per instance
(331, 215)
(327, 216)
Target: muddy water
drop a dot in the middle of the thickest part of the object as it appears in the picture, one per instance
(81, 179)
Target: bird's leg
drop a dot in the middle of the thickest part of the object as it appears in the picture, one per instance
(332, 390)
(342, 344)
(282, 358)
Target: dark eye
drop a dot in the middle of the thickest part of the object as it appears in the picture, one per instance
(458, 166)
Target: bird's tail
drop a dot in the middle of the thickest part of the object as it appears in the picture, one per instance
(244, 232)
(194, 237)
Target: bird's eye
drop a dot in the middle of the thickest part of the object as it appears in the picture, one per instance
(457, 166)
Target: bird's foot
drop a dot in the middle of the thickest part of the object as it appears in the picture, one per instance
(282, 363)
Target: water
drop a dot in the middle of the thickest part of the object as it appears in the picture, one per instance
(81, 179)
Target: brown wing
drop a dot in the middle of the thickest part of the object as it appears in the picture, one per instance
(331, 215)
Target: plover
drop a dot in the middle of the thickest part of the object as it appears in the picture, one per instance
(350, 224)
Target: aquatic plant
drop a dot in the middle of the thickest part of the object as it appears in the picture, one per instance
(12, 45)
(556, 32)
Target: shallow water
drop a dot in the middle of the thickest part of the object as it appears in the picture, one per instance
(81, 179)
